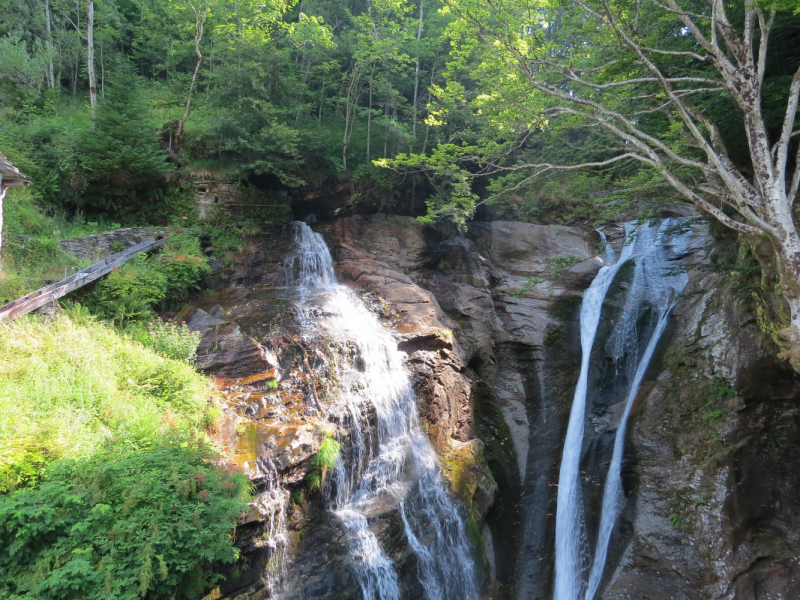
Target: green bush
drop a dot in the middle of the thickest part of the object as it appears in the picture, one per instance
(313, 481)
(121, 525)
(121, 157)
(21, 463)
(170, 339)
(132, 292)
(526, 287)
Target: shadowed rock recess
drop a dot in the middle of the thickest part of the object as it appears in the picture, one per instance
(488, 327)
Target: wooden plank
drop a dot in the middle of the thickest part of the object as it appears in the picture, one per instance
(126, 254)
(50, 293)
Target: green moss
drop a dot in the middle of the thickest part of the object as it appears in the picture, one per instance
(313, 481)
(700, 409)
(463, 467)
(566, 308)
(554, 337)
(476, 538)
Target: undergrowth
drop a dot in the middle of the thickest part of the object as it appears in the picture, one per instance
(107, 488)
(148, 283)
(121, 525)
(70, 386)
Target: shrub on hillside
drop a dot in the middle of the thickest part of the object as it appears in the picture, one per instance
(132, 292)
(121, 525)
(170, 339)
(121, 156)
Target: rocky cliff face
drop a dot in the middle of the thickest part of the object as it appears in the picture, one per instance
(489, 325)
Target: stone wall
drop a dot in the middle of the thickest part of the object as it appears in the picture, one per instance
(102, 245)
(212, 193)
(221, 194)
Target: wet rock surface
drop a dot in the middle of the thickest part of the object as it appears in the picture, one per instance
(713, 510)
(489, 325)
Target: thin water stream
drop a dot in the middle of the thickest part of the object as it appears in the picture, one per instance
(649, 298)
(390, 465)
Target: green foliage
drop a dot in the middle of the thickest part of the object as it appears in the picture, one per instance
(32, 255)
(561, 264)
(676, 521)
(272, 385)
(132, 292)
(328, 453)
(526, 287)
(313, 481)
(121, 155)
(475, 536)
(74, 384)
(21, 463)
(170, 339)
(723, 388)
(121, 525)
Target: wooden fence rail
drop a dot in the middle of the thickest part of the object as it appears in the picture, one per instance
(49, 293)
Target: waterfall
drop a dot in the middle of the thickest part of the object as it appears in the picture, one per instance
(402, 469)
(652, 290)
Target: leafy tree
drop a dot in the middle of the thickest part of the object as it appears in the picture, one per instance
(661, 82)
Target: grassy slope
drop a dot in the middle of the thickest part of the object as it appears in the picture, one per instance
(70, 385)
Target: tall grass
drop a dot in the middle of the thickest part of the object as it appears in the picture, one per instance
(69, 386)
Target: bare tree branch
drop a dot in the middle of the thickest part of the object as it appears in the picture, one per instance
(782, 146)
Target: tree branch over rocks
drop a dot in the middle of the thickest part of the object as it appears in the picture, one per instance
(614, 64)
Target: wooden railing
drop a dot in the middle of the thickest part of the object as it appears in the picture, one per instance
(49, 293)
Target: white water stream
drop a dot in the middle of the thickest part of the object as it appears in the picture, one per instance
(652, 289)
(392, 465)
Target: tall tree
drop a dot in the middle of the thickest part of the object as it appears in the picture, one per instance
(200, 8)
(648, 74)
(416, 69)
(90, 60)
(49, 33)
(88, 36)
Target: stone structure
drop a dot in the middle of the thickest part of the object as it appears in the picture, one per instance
(97, 247)
(211, 193)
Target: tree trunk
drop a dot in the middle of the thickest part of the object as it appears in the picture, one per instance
(48, 28)
(349, 111)
(102, 71)
(200, 15)
(416, 72)
(90, 61)
(73, 73)
(430, 98)
(306, 67)
(369, 112)
(321, 101)
(2, 195)
(786, 243)
(182, 122)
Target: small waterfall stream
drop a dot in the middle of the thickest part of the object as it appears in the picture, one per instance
(391, 464)
(649, 298)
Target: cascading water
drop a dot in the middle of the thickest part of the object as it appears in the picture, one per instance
(402, 469)
(651, 292)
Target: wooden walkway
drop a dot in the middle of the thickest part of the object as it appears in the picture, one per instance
(51, 292)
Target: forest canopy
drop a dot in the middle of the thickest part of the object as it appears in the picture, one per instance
(308, 94)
